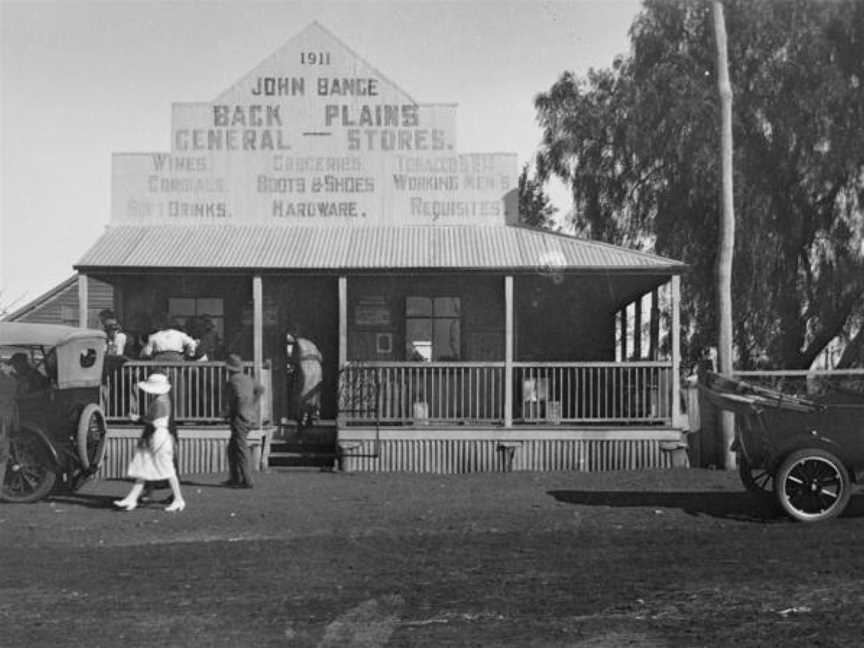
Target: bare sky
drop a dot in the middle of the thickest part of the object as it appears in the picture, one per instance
(80, 80)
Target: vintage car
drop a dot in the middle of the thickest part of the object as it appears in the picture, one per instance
(806, 452)
(56, 424)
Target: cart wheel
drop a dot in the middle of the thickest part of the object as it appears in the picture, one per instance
(90, 439)
(812, 485)
(758, 481)
(30, 472)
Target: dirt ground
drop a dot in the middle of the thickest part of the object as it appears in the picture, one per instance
(657, 558)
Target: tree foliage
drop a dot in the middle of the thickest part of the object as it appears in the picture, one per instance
(639, 145)
(535, 208)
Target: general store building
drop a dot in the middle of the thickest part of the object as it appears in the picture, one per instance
(314, 195)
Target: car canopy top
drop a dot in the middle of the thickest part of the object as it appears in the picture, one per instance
(46, 335)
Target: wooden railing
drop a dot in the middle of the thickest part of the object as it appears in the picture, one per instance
(197, 390)
(542, 392)
(593, 392)
(423, 392)
(420, 392)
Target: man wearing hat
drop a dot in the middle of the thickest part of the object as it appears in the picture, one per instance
(116, 337)
(241, 410)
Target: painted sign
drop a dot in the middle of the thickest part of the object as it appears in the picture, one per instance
(372, 311)
(314, 136)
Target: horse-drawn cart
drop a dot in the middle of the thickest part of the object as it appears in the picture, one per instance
(806, 452)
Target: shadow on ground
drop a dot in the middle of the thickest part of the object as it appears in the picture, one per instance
(85, 500)
(735, 506)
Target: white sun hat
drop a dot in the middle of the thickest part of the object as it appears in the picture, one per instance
(156, 383)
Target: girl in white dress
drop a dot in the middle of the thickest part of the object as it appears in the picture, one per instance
(154, 456)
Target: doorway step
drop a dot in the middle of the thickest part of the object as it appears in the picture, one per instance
(312, 447)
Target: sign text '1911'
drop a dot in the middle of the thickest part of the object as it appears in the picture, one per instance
(314, 58)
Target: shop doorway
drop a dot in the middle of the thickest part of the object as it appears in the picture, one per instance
(308, 306)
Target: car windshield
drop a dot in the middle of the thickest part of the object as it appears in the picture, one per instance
(30, 365)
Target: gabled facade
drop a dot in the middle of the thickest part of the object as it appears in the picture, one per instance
(59, 305)
(315, 195)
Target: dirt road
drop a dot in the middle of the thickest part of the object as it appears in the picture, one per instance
(676, 558)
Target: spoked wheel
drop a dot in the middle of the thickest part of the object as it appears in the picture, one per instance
(90, 445)
(30, 470)
(758, 481)
(812, 485)
(90, 439)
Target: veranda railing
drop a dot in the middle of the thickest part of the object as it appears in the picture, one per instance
(197, 389)
(423, 392)
(593, 392)
(445, 392)
(466, 392)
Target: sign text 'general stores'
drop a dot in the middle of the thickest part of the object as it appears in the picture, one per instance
(315, 136)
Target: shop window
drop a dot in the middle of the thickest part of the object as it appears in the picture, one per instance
(187, 310)
(433, 328)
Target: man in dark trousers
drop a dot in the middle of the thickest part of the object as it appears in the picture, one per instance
(241, 410)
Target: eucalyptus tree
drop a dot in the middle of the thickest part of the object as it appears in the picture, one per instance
(535, 206)
(638, 144)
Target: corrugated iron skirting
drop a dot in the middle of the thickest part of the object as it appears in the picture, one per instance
(199, 452)
(464, 456)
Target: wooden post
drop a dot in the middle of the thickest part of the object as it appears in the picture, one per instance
(726, 243)
(623, 312)
(83, 301)
(694, 421)
(637, 329)
(343, 322)
(508, 351)
(343, 342)
(675, 335)
(258, 335)
(654, 326)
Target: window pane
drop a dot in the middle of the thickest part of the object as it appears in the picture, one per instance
(418, 307)
(446, 341)
(446, 307)
(421, 351)
(209, 306)
(418, 339)
(181, 306)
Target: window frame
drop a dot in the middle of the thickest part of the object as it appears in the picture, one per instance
(433, 316)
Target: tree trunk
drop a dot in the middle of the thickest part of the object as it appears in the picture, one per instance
(727, 230)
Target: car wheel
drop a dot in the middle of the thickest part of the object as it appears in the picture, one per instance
(759, 481)
(90, 438)
(812, 485)
(30, 469)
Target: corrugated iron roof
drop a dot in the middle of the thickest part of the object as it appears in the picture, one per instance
(359, 248)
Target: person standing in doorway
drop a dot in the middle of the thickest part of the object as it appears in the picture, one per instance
(305, 375)
(241, 395)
